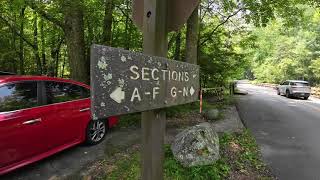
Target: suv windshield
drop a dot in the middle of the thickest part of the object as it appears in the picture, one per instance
(300, 84)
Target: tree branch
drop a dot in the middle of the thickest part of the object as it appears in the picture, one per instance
(124, 13)
(219, 25)
(17, 32)
(207, 9)
(44, 14)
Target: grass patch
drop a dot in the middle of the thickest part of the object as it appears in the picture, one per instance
(240, 157)
(129, 168)
(174, 170)
(129, 120)
(179, 110)
(133, 120)
(244, 149)
(126, 168)
(176, 111)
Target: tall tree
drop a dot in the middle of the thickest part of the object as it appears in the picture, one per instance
(127, 27)
(21, 41)
(35, 44)
(74, 34)
(107, 25)
(192, 37)
(43, 47)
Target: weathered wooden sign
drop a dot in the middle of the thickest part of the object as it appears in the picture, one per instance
(177, 14)
(125, 82)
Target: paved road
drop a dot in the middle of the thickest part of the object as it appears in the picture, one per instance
(287, 130)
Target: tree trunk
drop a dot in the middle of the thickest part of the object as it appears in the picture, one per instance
(127, 27)
(107, 30)
(90, 41)
(14, 39)
(43, 48)
(35, 43)
(57, 62)
(178, 46)
(63, 64)
(21, 44)
(74, 34)
(57, 55)
(14, 63)
(192, 37)
(51, 62)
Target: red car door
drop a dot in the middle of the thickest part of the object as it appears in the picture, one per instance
(22, 134)
(67, 113)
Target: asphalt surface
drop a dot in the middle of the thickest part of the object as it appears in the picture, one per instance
(287, 131)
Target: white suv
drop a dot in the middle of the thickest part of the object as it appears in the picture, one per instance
(294, 88)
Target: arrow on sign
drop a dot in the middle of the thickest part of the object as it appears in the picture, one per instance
(192, 91)
(117, 95)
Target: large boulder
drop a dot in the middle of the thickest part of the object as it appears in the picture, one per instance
(198, 145)
(211, 114)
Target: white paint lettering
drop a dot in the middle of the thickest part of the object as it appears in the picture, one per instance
(173, 91)
(185, 91)
(164, 74)
(155, 92)
(135, 94)
(174, 75)
(180, 79)
(134, 70)
(186, 74)
(145, 74)
(153, 74)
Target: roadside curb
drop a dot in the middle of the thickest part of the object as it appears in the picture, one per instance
(237, 108)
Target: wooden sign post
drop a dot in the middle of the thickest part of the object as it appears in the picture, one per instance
(125, 82)
(153, 123)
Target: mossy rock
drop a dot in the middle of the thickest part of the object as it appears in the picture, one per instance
(212, 114)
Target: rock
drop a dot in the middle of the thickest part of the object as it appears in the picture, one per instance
(198, 145)
(87, 177)
(212, 114)
(54, 177)
(230, 122)
(240, 92)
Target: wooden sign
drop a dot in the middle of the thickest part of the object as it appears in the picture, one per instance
(177, 14)
(125, 82)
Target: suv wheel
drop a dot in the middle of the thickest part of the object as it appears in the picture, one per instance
(306, 97)
(96, 131)
(288, 94)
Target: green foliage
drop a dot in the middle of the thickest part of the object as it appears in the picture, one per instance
(129, 168)
(133, 120)
(219, 58)
(315, 67)
(247, 159)
(174, 170)
(179, 110)
(284, 44)
(126, 168)
(249, 156)
(129, 120)
(279, 52)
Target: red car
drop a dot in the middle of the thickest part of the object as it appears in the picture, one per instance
(40, 116)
